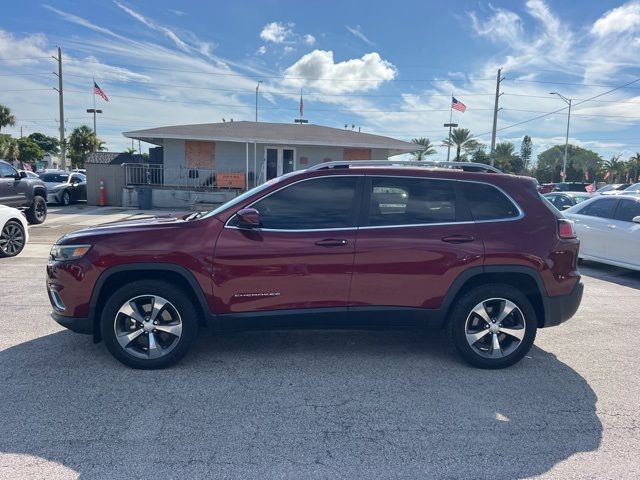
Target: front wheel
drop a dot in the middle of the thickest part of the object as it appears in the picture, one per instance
(37, 213)
(12, 239)
(493, 326)
(149, 324)
(66, 198)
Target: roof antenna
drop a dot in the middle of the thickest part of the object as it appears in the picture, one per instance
(223, 120)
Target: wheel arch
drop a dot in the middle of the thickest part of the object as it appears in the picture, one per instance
(115, 277)
(40, 192)
(526, 279)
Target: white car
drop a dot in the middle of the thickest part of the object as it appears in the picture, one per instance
(609, 229)
(14, 232)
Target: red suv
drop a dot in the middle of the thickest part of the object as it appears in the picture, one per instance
(338, 245)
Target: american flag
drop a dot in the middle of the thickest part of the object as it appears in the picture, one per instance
(98, 91)
(591, 188)
(457, 105)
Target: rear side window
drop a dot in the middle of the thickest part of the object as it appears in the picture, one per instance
(627, 210)
(486, 202)
(411, 201)
(320, 203)
(603, 207)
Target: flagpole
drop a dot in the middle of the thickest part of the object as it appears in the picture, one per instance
(450, 120)
(95, 133)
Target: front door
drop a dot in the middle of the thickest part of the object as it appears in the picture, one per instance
(10, 193)
(279, 160)
(300, 258)
(413, 243)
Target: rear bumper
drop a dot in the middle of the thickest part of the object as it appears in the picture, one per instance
(562, 308)
(75, 324)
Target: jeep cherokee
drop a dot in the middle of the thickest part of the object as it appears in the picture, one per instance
(338, 245)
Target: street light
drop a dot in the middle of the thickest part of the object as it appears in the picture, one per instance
(94, 111)
(566, 141)
(255, 162)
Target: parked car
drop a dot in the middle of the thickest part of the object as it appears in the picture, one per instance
(570, 187)
(546, 187)
(612, 187)
(609, 229)
(64, 187)
(19, 191)
(630, 190)
(340, 244)
(562, 201)
(14, 232)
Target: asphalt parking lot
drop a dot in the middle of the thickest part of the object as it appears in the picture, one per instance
(382, 404)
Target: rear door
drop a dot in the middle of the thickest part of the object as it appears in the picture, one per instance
(593, 224)
(300, 258)
(10, 193)
(414, 240)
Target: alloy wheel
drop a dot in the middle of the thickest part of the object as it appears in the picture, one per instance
(495, 328)
(40, 210)
(12, 239)
(148, 326)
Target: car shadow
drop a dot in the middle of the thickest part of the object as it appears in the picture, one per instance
(340, 404)
(609, 273)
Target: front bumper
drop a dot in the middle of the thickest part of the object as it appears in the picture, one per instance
(562, 308)
(53, 197)
(75, 324)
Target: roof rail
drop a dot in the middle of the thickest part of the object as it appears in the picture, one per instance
(465, 166)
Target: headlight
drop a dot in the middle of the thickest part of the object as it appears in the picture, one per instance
(68, 252)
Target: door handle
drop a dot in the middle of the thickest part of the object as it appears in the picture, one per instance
(458, 239)
(611, 226)
(331, 242)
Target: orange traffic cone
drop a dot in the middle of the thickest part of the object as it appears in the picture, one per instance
(102, 198)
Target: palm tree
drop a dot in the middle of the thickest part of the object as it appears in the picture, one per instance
(130, 150)
(6, 118)
(615, 167)
(83, 141)
(462, 140)
(634, 162)
(10, 149)
(506, 158)
(426, 150)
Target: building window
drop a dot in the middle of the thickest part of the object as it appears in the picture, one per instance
(199, 154)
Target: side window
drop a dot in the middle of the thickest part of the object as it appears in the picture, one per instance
(411, 201)
(7, 171)
(563, 202)
(487, 202)
(627, 210)
(320, 203)
(600, 208)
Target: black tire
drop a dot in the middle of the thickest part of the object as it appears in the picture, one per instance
(66, 198)
(37, 213)
(111, 321)
(12, 239)
(463, 321)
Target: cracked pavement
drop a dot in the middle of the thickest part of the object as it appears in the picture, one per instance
(316, 404)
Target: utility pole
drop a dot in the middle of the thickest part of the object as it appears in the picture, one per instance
(63, 153)
(450, 125)
(499, 79)
(566, 140)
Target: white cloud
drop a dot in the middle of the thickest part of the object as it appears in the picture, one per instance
(621, 19)
(261, 50)
(179, 13)
(318, 69)
(309, 39)
(22, 52)
(357, 31)
(276, 32)
(288, 49)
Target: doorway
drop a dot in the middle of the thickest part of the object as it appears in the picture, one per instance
(279, 160)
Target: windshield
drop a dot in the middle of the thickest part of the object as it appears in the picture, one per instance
(633, 188)
(54, 177)
(247, 194)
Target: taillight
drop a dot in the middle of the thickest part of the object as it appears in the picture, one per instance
(565, 229)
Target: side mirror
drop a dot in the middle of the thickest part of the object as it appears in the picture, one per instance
(248, 218)
(636, 219)
(23, 174)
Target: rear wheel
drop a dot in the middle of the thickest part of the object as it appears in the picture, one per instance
(12, 239)
(493, 326)
(149, 324)
(37, 213)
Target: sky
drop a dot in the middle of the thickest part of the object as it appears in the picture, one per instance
(387, 68)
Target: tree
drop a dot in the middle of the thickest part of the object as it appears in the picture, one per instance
(426, 150)
(480, 156)
(48, 144)
(634, 165)
(6, 118)
(616, 169)
(462, 140)
(82, 142)
(9, 148)
(130, 150)
(30, 151)
(505, 158)
(579, 161)
(526, 150)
